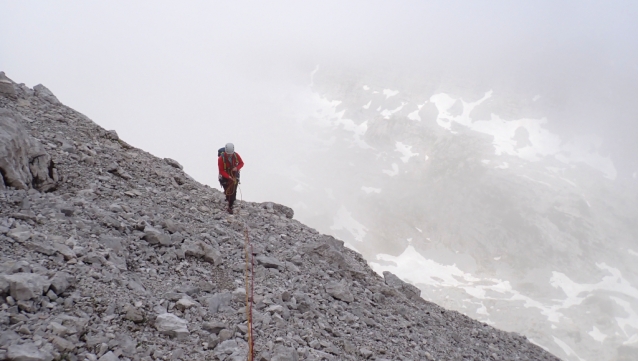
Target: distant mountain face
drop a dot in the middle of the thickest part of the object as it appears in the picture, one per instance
(468, 194)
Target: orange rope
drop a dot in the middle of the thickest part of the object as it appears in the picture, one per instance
(249, 288)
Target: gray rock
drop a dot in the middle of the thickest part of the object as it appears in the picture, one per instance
(213, 326)
(26, 286)
(339, 291)
(283, 353)
(173, 163)
(62, 344)
(42, 247)
(24, 163)
(269, 262)
(213, 341)
(64, 250)
(171, 325)
(4, 286)
(225, 334)
(6, 87)
(218, 301)
(133, 314)
(407, 289)
(44, 93)
(112, 135)
(154, 236)
(226, 347)
(27, 352)
(109, 356)
(114, 243)
(20, 235)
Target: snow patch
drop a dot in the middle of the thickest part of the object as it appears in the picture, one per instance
(365, 87)
(566, 349)
(390, 93)
(388, 113)
(415, 114)
(393, 172)
(367, 106)
(597, 335)
(369, 190)
(406, 150)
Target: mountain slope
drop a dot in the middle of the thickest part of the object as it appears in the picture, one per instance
(126, 257)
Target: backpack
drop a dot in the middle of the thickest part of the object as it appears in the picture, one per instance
(220, 151)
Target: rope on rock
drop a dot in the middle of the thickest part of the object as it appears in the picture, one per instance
(249, 288)
(249, 276)
(249, 273)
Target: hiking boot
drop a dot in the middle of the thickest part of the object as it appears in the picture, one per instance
(230, 210)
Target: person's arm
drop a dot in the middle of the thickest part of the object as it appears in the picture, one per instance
(241, 162)
(220, 165)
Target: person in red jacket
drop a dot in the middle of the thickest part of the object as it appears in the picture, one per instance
(229, 164)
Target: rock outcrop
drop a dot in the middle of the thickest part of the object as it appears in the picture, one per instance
(124, 262)
(24, 163)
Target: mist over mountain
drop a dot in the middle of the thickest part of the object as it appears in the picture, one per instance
(471, 196)
(109, 253)
(485, 152)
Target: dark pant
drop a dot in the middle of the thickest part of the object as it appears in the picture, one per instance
(231, 194)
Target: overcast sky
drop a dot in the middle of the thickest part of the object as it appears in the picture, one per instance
(180, 79)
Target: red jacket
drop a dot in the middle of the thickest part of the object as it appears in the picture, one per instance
(231, 162)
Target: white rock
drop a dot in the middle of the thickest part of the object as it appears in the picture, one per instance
(26, 286)
(171, 325)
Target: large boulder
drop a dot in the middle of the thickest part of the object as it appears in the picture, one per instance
(24, 163)
(27, 352)
(171, 325)
(410, 291)
(6, 86)
(25, 286)
(340, 291)
(44, 93)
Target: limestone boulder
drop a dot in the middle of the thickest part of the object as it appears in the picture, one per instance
(171, 325)
(27, 352)
(410, 291)
(43, 92)
(6, 87)
(339, 291)
(26, 286)
(24, 163)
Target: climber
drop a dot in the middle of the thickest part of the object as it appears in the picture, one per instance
(229, 164)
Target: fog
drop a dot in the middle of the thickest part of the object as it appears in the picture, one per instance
(440, 139)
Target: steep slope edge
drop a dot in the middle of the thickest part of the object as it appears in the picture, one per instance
(128, 258)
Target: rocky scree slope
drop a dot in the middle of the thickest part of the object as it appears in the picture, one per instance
(109, 253)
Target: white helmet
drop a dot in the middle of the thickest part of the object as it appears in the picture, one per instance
(230, 148)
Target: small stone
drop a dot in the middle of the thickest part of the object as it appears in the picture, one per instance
(225, 334)
(134, 314)
(61, 344)
(365, 352)
(269, 262)
(109, 356)
(213, 326)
